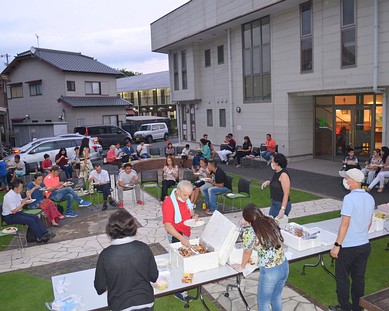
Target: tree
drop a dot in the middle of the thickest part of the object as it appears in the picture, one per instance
(126, 73)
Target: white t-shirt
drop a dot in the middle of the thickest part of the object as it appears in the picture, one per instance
(127, 178)
(21, 166)
(142, 149)
(185, 152)
(103, 177)
(11, 201)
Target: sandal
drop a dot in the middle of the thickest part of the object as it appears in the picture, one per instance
(380, 190)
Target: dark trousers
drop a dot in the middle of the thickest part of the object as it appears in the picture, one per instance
(68, 171)
(241, 154)
(166, 184)
(352, 263)
(105, 189)
(32, 221)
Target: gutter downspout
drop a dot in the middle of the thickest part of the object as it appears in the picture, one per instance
(230, 93)
(375, 46)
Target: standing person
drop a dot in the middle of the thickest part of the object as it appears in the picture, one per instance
(128, 178)
(85, 164)
(46, 163)
(102, 183)
(13, 215)
(48, 206)
(169, 175)
(352, 247)
(229, 149)
(245, 150)
(176, 209)
(214, 187)
(384, 172)
(142, 150)
(270, 148)
(57, 192)
(75, 161)
(264, 236)
(279, 187)
(126, 267)
(62, 160)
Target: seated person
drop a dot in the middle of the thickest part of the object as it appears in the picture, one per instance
(185, 155)
(62, 160)
(129, 177)
(142, 150)
(16, 168)
(46, 163)
(169, 150)
(169, 175)
(48, 206)
(270, 148)
(372, 166)
(118, 150)
(350, 161)
(57, 192)
(229, 149)
(129, 153)
(244, 151)
(13, 215)
(112, 158)
(75, 161)
(203, 172)
(3, 174)
(213, 188)
(102, 183)
(203, 152)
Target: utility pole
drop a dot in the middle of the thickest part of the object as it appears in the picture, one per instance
(6, 55)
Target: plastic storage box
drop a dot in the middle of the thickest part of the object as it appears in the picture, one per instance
(299, 243)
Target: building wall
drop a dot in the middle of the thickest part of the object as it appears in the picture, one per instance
(107, 84)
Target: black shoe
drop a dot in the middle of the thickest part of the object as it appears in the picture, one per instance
(113, 203)
(335, 308)
(105, 206)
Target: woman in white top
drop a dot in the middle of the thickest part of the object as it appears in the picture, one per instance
(169, 175)
(203, 172)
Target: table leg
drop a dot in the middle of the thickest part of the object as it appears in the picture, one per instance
(320, 261)
(199, 294)
(237, 285)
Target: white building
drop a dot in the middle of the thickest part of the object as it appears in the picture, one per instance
(314, 74)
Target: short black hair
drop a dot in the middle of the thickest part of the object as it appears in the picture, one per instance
(16, 183)
(128, 164)
(187, 146)
(17, 156)
(212, 162)
(121, 224)
(97, 165)
(37, 175)
(46, 156)
(280, 159)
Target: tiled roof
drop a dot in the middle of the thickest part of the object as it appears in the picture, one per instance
(70, 61)
(102, 101)
(157, 80)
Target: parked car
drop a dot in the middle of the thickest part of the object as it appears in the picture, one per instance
(152, 131)
(133, 123)
(107, 135)
(32, 153)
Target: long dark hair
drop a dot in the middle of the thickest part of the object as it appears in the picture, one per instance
(266, 229)
(59, 154)
(385, 151)
(84, 144)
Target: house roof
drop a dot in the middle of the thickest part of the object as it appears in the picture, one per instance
(156, 80)
(65, 61)
(95, 101)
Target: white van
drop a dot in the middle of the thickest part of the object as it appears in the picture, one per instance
(152, 131)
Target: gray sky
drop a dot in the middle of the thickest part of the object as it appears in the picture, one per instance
(116, 32)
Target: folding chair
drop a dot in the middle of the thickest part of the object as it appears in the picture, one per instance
(155, 152)
(188, 175)
(243, 192)
(149, 179)
(227, 185)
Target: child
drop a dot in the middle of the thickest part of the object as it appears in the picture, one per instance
(169, 150)
(185, 154)
(46, 163)
(351, 161)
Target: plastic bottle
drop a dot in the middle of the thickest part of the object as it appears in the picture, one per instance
(204, 206)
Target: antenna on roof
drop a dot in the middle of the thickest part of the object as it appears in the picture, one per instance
(37, 39)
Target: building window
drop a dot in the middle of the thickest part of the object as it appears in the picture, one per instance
(175, 72)
(92, 88)
(35, 89)
(132, 97)
(71, 86)
(256, 60)
(209, 117)
(348, 28)
(183, 70)
(139, 98)
(306, 37)
(155, 97)
(163, 99)
(15, 91)
(111, 120)
(222, 118)
(207, 58)
(220, 54)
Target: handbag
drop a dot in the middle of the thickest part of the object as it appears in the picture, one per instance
(199, 183)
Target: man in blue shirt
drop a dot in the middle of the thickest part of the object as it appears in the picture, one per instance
(352, 247)
(129, 152)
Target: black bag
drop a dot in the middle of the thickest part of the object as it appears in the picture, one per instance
(199, 183)
(59, 208)
(30, 235)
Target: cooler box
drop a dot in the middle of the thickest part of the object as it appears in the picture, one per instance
(220, 235)
(297, 242)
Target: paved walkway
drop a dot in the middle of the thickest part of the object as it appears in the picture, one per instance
(152, 231)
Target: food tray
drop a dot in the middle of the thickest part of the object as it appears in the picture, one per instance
(299, 243)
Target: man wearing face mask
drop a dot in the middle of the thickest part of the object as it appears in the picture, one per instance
(352, 247)
(279, 187)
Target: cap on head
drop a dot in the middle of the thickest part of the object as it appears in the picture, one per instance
(354, 174)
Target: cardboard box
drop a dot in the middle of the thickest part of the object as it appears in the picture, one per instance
(220, 234)
(299, 243)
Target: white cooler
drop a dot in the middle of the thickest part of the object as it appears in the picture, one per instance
(220, 233)
(299, 243)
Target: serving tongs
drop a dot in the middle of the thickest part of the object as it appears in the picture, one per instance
(310, 236)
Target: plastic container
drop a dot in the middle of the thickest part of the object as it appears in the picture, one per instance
(299, 243)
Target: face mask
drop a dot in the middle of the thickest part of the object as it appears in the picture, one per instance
(272, 166)
(345, 184)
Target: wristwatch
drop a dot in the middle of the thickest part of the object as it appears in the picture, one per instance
(283, 208)
(337, 244)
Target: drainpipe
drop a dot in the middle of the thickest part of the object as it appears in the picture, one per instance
(178, 112)
(375, 47)
(384, 118)
(230, 93)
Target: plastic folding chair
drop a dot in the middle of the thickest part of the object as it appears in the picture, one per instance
(149, 179)
(243, 192)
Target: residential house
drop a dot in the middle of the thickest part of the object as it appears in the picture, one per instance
(50, 92)
(314, 74)
(150, 94)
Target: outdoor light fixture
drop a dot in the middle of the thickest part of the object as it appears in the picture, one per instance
(238, 109)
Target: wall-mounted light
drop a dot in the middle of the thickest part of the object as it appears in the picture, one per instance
(60, 117)
(238, 109)
(187, 110)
